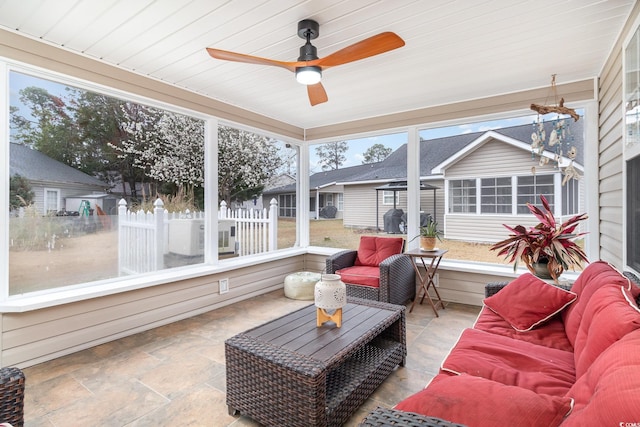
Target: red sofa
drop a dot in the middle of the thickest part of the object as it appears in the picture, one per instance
(539, 355)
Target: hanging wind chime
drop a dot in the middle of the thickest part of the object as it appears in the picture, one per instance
(560, 136)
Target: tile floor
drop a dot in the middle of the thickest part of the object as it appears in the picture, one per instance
(174, 375)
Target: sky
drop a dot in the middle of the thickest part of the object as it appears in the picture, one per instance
(358, 146)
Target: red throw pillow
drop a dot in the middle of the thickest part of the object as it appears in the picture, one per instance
(478, 402)
(373, 250)
(528, 301)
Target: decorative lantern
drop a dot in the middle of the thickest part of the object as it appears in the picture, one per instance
(330, 294)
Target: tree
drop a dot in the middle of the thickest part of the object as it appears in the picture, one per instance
(332, 155)
(20, 192)
(246, 161)
(50, 128)
(168, 147)
(376, 153)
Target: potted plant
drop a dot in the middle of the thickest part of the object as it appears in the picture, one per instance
(548, 248)
(428, 235)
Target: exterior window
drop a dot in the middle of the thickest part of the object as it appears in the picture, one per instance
(341, 201)
(328, 200)
(571, 197)
(495, 195)
(462, 196)
(530, 188)
(51, 201)
(633, 213)
(388, 196)
(287, 205)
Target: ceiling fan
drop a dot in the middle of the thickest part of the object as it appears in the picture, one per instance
(308, 68)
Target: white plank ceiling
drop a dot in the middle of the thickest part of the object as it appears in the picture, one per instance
(455, 50)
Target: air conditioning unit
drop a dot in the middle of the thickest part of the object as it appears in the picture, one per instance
(227, 236)
(186, 236)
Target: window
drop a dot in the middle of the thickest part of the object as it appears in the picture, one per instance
(632, 150)
(530, 188)
(571, 197)
(389, 196)
(287, 205)
(495, 195)
(328, 200)
(51, 201)
(341, 201)
(92, 150)
(633, 213)
(462, 196)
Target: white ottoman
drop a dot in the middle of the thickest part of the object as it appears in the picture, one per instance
(301, 285)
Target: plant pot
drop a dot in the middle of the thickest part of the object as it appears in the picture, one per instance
(427, 243)
(541, 270)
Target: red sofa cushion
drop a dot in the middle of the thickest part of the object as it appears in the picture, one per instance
(550, 334)
(610, 314)
(477, 402)
(607, 394)
(528, 301)
(373, 250)
(361, 275)
(594, 276)
(512, 362)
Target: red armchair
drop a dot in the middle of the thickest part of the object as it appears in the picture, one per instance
(377, 270)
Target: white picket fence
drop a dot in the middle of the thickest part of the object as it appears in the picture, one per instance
(143, 237)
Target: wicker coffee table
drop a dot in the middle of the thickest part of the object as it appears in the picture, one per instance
(289, 372)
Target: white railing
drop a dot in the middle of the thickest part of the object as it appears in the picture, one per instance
(256, 230)
(143, 237)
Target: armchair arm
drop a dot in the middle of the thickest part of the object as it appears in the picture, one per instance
(392, 417)
(340, 260)
(397, 279)
(635, 280)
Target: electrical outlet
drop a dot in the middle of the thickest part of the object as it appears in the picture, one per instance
(223, 286)
(436, 280)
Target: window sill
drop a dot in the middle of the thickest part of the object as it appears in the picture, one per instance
(70, 294)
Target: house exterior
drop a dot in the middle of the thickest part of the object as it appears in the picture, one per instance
(56, 186)
(464, 185)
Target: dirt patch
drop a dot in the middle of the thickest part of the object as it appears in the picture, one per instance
(91, 257)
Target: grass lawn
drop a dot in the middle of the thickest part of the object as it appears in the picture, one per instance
(331, 233)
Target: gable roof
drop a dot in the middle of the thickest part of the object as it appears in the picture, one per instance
(434, 154)
(36, 166)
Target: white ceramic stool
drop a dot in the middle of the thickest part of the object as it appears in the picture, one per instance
(300, 285)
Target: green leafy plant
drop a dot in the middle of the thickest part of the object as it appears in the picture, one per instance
(429, 230)
(548, 241)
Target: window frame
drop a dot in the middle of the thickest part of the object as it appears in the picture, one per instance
(534, 196)
(631, 150)
(495, 186)
(387, 194)
(468, 207)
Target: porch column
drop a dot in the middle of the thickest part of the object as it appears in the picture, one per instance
(413, 187)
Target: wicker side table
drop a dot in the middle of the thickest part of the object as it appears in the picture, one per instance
(290, 372)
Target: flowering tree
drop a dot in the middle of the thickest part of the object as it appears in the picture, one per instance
(246, 161)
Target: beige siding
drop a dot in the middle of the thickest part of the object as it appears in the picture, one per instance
(360, 206)
(426, 202)
(32, 337)
(495, 158)
(610, 152)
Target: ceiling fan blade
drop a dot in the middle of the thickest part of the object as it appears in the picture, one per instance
(239, 57)
(317, 94)
(372, 46)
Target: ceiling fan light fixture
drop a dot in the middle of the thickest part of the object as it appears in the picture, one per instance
(309, 75)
